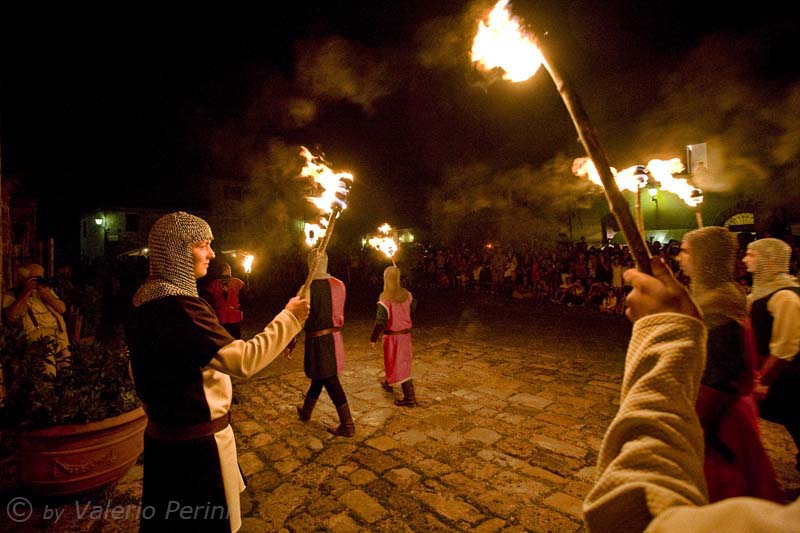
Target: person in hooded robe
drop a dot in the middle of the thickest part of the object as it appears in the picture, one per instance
(393, 320)
(182, 360)
(775, 312)
(735, 463)
(323, 359)
(223, 295)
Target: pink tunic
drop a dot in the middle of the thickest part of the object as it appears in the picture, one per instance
(397, 349)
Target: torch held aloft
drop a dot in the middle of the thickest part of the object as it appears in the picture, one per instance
(616, 202)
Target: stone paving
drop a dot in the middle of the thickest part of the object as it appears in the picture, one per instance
(512, 412)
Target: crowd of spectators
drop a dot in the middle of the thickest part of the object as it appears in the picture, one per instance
(572, 274)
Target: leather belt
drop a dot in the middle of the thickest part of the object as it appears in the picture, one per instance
(398, 332)
(195, 431)
(321, 332)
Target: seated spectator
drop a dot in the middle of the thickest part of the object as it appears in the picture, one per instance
(541, 291)
(610, 302)
(597, 293)
(574, 294)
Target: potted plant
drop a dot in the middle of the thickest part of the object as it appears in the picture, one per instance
(73, 432)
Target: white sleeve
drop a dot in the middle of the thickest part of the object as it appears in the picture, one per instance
(732, 515)
(784, 342)
(244, 359)
(651, 458)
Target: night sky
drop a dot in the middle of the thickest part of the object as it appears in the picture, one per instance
(140, 106)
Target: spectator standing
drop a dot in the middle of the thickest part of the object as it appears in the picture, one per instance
(37, 308)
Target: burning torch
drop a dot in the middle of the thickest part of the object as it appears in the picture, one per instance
(247, 264)
(333, 200)
(385, 243)
(697, 198)
(503, 43)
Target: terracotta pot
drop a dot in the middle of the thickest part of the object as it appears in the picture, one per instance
(78, 458)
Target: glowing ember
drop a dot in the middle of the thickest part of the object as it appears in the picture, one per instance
(333, 200)
(385, 244)
(502, 43)
(247, 263)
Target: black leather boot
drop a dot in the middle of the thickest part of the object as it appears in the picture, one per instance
(346, 426)
(409, 398)
(308, 406)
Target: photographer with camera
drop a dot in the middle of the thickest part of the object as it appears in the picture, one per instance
(34, 305)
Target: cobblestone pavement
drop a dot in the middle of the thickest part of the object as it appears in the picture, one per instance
(514, 400)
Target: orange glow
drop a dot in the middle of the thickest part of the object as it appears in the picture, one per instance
(502, 43)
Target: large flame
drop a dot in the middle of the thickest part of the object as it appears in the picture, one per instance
(247, 263)
(662, 172)
(502, 43)
(333, 200)
(385, 243)
(635, 177)
(629, 179)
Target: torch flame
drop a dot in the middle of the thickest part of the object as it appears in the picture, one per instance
(635, 177)
(503, 43)
(663, 171)
(333, 200)
(247, 263)
(385, 244)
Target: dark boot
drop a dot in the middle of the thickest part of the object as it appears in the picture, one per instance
(409, 398)
(308, 406)
(346, 426)
(386, 386)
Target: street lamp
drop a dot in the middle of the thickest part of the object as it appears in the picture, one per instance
(652, 189)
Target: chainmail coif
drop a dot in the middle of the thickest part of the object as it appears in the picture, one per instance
(712, 260)
(772, 267)
(171, 264)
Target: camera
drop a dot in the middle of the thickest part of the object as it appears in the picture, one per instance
(44, 282)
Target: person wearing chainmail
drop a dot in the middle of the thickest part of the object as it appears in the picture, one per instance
(34, 305)
(735, 463)
(182, 359)
(649, 472)
(775, 312)
(324, 347)
(393, 319)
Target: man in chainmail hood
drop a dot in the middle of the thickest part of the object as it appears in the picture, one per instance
(775, 313)
(735, 463)
(171, 264)
(182, 359)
